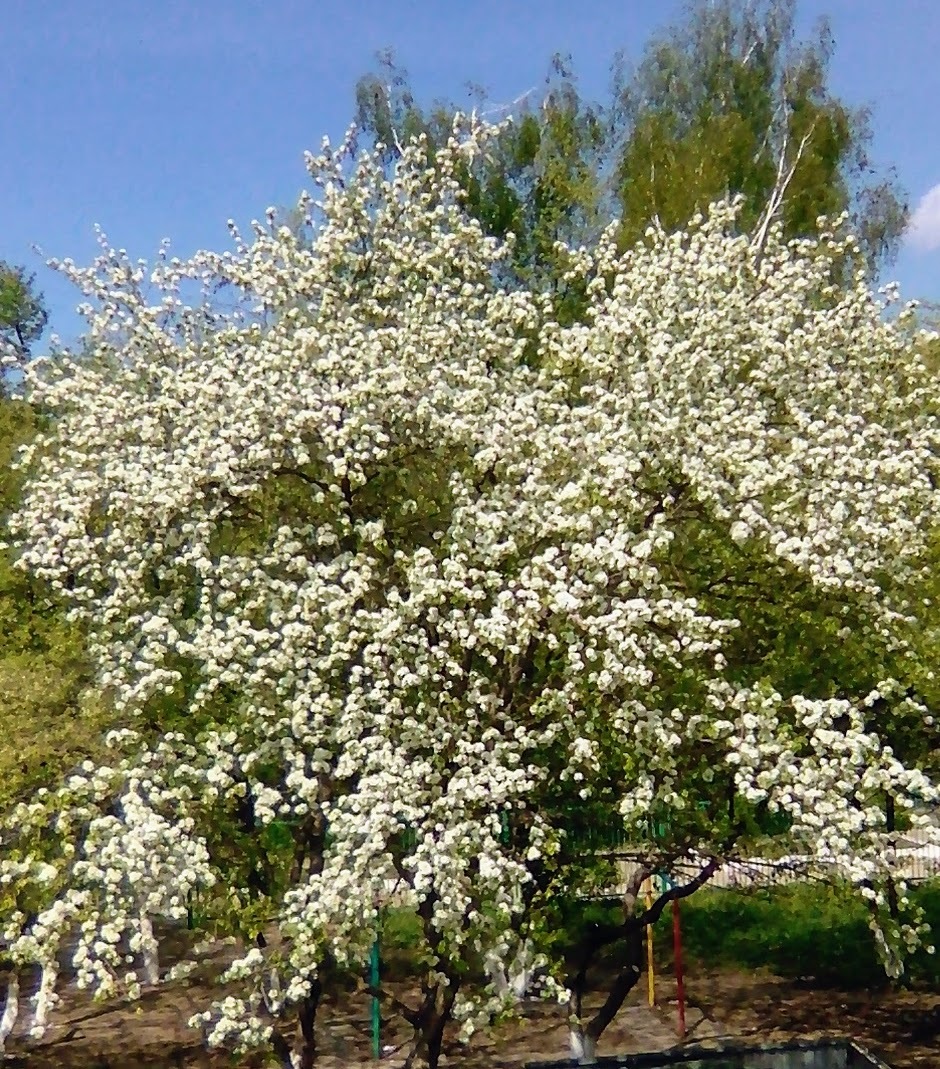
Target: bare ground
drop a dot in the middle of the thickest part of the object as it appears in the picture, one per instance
(902, 1027)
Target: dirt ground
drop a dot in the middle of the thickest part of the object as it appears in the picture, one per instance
(902, 1027)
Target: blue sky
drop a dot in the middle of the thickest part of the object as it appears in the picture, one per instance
(164, 119)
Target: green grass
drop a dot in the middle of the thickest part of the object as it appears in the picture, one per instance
(800, 930)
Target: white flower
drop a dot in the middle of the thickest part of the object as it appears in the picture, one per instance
(414, 564)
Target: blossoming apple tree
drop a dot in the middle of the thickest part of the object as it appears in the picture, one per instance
(391, 580)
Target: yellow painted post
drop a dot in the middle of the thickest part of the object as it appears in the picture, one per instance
(650, 970)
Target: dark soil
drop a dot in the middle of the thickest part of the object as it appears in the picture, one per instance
(902, 1027)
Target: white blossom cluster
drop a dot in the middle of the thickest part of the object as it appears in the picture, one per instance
(86, 869)
(406, 558)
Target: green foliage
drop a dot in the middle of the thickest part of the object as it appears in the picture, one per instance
(23, 314)
(727, 102)
(724, 102)
(800, 930)
(47, 726)
(540, 183)
(401, 943)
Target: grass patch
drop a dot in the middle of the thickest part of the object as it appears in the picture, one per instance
(798, 931)
(801, 930)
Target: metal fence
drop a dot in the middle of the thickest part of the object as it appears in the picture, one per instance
(913, 862)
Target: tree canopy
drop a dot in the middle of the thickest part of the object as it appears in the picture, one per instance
(535, 477)
(399, 573)
(726, 102)
(23, 314)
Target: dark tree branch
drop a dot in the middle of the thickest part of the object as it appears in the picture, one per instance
(622, 986)
(296, 473)
(676, 893)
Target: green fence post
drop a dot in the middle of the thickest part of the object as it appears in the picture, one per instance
(376, 1009)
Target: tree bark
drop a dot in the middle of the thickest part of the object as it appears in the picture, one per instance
(302, 1053)
(583, 1039)
(305, 1045)
(627, 979)
(432, 1021)
(11, 1009)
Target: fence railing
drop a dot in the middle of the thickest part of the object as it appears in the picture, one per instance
(913, 862)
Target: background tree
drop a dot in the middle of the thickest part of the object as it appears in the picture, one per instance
(725, 102)
(23, 314)
(47, 723)
(541, 181)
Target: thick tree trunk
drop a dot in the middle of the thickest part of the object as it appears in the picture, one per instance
(305, 1045)
(11, 1009)
(431, 1024)
(583, 1037)
(302, 1053)
(631, 930)
(582, 1047)
(627, 979)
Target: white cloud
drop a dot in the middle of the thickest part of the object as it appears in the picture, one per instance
(923, 231)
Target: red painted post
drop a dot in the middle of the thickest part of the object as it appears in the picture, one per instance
(677, 955)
